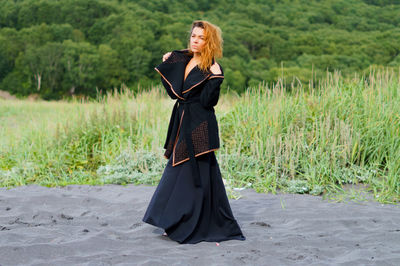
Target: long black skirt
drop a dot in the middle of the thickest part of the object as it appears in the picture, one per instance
(191, 214)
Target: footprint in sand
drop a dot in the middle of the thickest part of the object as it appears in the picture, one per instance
(261, 224)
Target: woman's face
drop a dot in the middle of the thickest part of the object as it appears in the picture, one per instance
(197, 39)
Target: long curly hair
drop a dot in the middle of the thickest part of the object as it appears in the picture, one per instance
(213, 43)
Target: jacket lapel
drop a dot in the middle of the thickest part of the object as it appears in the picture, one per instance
(194, 78)
(172, 71)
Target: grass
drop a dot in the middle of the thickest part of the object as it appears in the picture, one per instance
(290, 137)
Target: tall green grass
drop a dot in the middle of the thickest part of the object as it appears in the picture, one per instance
(300, 138)
(321, 137)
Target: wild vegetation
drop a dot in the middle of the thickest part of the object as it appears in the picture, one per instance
(295, 137)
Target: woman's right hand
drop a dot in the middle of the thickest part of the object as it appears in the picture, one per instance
(165, 56)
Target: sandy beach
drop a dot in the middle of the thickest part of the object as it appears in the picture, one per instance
(101, 225)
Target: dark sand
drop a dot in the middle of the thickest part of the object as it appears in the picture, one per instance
(93, 225)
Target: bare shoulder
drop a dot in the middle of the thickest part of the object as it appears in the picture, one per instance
(216, 69)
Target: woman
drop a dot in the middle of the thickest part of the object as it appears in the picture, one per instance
(190, 202)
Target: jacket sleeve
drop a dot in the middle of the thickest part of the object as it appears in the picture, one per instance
(163, 68)
(168, 89)
(210, 94)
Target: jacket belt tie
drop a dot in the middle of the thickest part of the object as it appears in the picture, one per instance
(187, 135)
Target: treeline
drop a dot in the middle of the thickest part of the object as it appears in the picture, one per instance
(59, 48)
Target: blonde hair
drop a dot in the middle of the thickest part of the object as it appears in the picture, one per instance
(213, 43)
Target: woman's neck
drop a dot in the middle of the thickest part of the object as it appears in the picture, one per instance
(196, 56)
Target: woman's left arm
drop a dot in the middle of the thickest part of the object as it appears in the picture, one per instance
(210, 94)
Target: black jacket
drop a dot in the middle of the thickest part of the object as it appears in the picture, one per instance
(195, 132)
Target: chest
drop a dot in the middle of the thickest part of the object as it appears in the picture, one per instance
(189, 68)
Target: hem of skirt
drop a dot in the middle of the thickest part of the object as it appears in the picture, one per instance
(241, 238)
(151, 222)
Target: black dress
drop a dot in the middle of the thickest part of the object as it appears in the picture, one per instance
(191, 214)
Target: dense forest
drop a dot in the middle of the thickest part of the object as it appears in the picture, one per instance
(58, 48)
